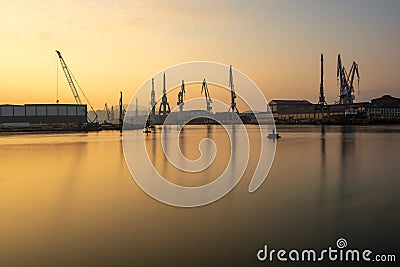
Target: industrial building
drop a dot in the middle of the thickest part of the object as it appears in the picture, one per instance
(289, 110)
(297, 111)
(42, 114)
(385, 106)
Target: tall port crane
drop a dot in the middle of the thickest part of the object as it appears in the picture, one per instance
(121, 111)
(345, 96)
(181, 96)
(352, 73)
(233, 107)
(108, 112)
(70, 79)
(204, 89)
(164, 106)
(322, 101)
(346, 90)
(322, 105)
(153, 102)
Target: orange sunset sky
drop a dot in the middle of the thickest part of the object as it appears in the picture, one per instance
(117, 45)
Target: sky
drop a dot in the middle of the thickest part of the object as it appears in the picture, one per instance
(116, 45)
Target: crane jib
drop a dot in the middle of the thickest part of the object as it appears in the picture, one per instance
(70, 80)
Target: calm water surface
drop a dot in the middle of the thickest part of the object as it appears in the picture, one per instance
(69, 199)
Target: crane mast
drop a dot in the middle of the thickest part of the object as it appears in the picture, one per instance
(153, 101)
(121, 111)
(164, 106)
(181, 96)
(108, 112)
(204, 89)
(322, 105)
(69, 78)
(322, 101)
(233, 107)
(151, 119)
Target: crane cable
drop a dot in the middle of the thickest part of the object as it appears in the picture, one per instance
(83, 93)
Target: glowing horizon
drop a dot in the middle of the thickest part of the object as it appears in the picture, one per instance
(113, 46)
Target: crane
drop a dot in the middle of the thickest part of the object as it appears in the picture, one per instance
(153, 104)
(207, 95)
(322, 101)
(181, 96)
(108, 112)
(341, 75)
(322, 105)
(233, 107)
(121, 111)
(352, 73)
(346, 80)
(164, 106)
(70, 79)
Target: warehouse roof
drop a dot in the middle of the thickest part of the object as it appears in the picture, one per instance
(290, 102)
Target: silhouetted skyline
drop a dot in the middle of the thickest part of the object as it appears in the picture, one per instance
(117, 45)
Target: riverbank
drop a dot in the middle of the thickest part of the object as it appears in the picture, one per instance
(345, 121)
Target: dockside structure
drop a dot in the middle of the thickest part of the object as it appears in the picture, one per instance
(42, 114)
(304, 111)
(385, 106)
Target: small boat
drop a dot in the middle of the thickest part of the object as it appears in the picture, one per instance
(147, 127)
(273, 135)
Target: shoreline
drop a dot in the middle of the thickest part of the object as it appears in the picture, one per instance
(36, 130)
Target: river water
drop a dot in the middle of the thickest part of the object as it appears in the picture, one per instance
(69, 199)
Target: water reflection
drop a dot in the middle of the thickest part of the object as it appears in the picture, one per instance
(182, 143)
(323, 152)
(321, 201)
(74, 197)
(347, 161)
(71, 180)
